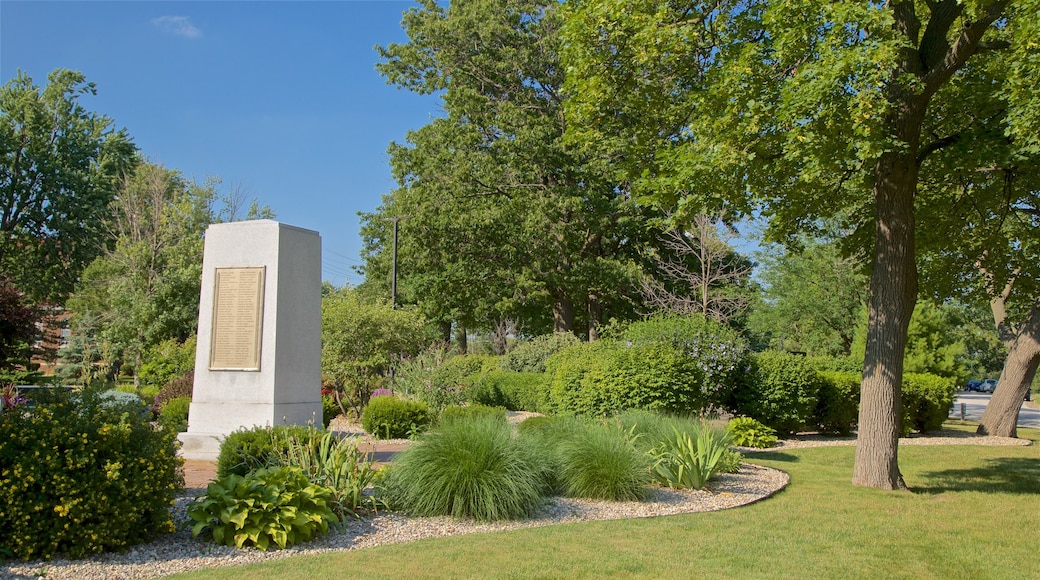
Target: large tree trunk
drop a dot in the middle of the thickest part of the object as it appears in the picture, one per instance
(460, 339)
(893, 294)
(1001, 416)
(595, 316)
(563, 315)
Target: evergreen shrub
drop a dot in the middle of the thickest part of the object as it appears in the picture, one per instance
(837, 406)
(530, 356)
(926, 402)
(394, 418)
(252, 448)
(79, 477)
(781, 391)
(470, 468)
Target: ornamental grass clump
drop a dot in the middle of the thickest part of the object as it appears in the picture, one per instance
(601, 461)
(467, 468)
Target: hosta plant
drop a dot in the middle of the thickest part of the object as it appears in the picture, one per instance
(747, 432)
(276, 505)
(689, 461)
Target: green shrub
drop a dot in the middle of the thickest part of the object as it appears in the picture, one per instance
(537, 424)
(747, 432)
(466, 468)
(781, 391)
(128, 401)
(606, 377)
(830, 364)
(167, 361)
(174, 414)
(393, 418)
(438, 378)
(81, 477)
(719, 353)
(181, 386)
(530, 356)
(252, 448)
(687, 460)
(513, 390)
(276, 505)
(602, 461)
(329, 410)
(926, 402)
(837, 407)
(336, 464)
(454, 413)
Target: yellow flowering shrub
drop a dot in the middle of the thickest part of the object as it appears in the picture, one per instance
(78, 477)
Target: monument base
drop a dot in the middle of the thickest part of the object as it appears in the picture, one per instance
(204, 446)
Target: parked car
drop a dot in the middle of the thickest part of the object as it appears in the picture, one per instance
(973, 385)
(988, 385)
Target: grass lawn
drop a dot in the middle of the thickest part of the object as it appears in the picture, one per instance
(974, 513)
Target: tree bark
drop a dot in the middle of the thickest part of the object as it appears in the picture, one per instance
(563, 315)
(893, 294)
(460, 339)
(1001, 415)
(595, 315)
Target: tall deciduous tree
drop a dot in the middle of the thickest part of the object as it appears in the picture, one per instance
(503, 220)
(819, 110)
(812, 299)
(61, 167)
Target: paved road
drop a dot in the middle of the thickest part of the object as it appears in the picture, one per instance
(975, 404)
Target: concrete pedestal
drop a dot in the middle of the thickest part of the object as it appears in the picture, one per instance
(258, 359)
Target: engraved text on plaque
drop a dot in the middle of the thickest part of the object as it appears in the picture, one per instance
(238, 312)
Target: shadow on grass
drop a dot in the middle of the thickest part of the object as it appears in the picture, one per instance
(769, 455)
(1006, 474)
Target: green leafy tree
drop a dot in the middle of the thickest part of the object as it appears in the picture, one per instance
(361, 340)
(811, 300)
(61, 167)
(818, 111)
(503, 220)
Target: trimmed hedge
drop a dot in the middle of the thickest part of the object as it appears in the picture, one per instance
(512, 390)
(79, 476)
(606, 377)
(782, 391)
(471, 412)
(392, 418)
(837, 408)
(926, 402)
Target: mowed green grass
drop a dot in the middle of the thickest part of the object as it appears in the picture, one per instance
(974, 513)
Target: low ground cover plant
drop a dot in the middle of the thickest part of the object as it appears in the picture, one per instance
(747, 432)
(80, 475)
(276, 505)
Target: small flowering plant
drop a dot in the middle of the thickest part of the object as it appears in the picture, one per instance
(382, 393)
(9, 398)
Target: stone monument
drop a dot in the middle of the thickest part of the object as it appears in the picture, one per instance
(258, 359)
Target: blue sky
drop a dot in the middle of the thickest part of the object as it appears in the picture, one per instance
(281, 98)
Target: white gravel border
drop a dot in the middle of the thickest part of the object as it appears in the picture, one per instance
(179, 552)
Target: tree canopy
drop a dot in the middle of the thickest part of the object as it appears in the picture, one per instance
(813, 111)
(61, 167)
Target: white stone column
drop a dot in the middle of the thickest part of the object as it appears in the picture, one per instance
(261, 283)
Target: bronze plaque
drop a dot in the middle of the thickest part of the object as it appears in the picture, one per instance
(238, 316)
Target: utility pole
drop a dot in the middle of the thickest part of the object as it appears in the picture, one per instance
(393, 280)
